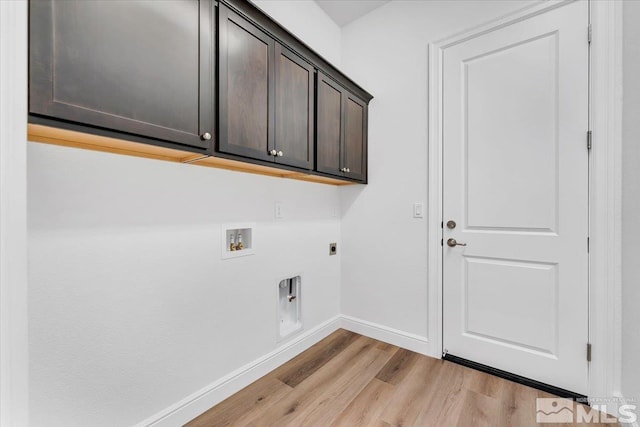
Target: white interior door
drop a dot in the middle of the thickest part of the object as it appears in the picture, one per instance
(515, 120)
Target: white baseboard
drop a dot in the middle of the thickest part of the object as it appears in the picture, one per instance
(402, 339)
(197, 403)
(200, 401)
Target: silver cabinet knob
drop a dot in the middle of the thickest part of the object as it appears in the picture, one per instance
(273, 152)
(280, 154)
(206, 136)
(343, 170)
(348, 170)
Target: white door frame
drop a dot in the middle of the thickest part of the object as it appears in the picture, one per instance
(14, 360)
(605, 186)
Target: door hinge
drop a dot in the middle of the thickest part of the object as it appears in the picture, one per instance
(588, 352)
(589, 34)
(442, 242)
(441, 224)
(588, 244)
(589, 135)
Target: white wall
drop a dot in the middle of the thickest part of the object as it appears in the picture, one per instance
(384, 271)
(14, 384)
(631, 201)
(131, 308)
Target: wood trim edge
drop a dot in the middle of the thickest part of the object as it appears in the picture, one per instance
(74, 139)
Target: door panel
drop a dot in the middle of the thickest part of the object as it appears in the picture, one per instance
(246, 88)
(294, 109)
(330, 129)
(355, 138)
(524, 189)
(515, 181)
(525, 323)
(137, 66)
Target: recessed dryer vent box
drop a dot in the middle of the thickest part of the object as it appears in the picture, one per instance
(238, 240)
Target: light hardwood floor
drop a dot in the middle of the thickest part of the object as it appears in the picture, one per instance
(351, 380)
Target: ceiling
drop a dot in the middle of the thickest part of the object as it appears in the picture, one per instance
(346, 11)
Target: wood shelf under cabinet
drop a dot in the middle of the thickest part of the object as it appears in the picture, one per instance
(74, 139)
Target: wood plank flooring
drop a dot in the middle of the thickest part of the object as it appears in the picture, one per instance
(351, 380)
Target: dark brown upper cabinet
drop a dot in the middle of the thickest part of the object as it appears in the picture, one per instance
(330, 131)
(341, 131)
(211, 82)
(355, 138)
(143, 68)
(246, 88)
(295, 102)
(266, 96)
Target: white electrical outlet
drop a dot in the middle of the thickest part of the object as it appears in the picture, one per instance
(418, 210)
(279, 210)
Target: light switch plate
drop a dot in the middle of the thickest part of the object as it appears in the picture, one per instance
(278, 210)
(418, 210)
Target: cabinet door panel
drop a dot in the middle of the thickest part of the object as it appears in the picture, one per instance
(246, 88)
(294, 109)
(329, 126)
(139, 67)
(355, 138)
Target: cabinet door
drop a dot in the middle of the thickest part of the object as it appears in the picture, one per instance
(329, 128)
(140, 67)
(294, 109)
(355, 138)
(246, 56)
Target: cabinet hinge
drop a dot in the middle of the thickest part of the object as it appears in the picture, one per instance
(589, 34)
(588, 352)
(589, 135)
